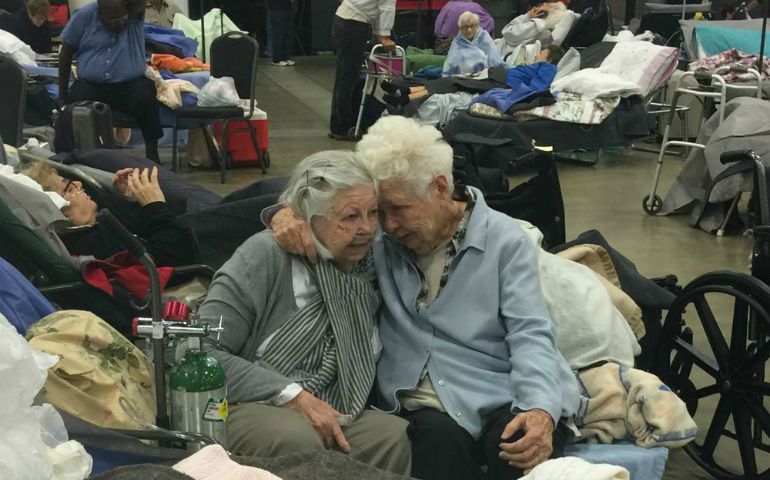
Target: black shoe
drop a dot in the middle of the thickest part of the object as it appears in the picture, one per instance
(395, 90)
(396, 101)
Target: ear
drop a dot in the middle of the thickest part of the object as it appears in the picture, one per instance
(441, 183)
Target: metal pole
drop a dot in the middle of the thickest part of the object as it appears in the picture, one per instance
(761, 59)
(203, 31)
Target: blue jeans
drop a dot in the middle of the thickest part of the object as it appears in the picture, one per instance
(282, 33)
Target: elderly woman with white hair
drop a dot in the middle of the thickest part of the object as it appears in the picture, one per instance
(472, 50)
(469, 356)
(300, 342)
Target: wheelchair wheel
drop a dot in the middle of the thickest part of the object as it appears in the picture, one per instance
(712, 352)
(657, 205)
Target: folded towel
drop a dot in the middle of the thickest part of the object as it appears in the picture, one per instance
(574, 468)
(213, 463)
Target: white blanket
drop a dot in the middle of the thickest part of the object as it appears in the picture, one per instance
(632, 68)
(589, 329)
(18, 50)
(574, 468)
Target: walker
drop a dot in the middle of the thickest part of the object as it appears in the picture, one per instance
(378, 63)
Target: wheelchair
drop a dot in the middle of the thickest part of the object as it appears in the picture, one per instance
(713, 349)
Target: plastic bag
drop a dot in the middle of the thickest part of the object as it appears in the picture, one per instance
(215, 24)
(31, 445)
(219, 92)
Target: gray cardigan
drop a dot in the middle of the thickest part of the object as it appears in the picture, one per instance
(254, 295)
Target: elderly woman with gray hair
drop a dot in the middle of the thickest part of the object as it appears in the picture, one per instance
(300, 342)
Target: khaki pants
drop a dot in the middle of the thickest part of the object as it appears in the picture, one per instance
(376, 438)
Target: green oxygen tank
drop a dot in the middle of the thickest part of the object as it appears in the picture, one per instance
(198, 396)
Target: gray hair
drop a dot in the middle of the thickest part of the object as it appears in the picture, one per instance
(467, 19)
(402, 148)
(316, 181)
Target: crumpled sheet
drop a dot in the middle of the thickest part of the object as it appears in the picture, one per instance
(439, 109)
(34, 443)
(169, 92)
(573, 108)
(746, 126)
(731, 64)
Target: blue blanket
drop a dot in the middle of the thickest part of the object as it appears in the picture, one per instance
(169, 36)
(20, 302)
(471, 56)
(524, 81)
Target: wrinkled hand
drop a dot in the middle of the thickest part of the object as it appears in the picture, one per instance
(293, 233)
(537, 443)
(322, 417)
(144, 187)
(120, 182)
(386, 42)
(535, 12)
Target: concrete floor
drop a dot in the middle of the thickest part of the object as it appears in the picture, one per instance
(606, 196)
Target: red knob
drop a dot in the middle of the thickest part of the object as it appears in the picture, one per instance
(176, 311)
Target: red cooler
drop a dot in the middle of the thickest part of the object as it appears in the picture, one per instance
(239, 144)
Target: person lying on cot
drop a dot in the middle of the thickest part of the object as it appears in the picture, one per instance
(400, 94)
(300, 340)
(168, 241)
(549, 23)
(472, 49)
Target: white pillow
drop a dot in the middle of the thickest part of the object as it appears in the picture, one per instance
(593, 83)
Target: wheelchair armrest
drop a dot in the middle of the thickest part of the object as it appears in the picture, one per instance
(741, 155)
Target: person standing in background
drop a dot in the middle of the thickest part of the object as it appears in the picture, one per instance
(160, 12)
(350, 31)
(281, 31)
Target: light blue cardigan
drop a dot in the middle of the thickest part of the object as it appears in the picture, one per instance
(487, 340)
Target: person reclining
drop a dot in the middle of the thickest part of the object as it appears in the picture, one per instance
(300, 341)
(140, 205)
(30, 25)
(402, 95)
(468, 351)
(107, 38)
(472, 49)
(549, 23)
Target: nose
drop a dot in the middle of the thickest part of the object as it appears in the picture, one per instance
(389, 222)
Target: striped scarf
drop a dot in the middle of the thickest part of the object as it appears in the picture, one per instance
(326, 345)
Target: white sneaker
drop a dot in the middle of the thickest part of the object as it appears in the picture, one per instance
(282, 63)
(290, 63)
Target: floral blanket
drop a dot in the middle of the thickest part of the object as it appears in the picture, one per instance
(731, 64)
(571, 107)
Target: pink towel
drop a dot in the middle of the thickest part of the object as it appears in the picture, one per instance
(213, 463)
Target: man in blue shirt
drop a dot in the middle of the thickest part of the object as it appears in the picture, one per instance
(469, 356)
(107, 38)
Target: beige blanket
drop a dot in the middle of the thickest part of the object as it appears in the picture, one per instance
(619, 402)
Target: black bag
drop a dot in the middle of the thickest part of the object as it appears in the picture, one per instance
(466, 170)
(592, 25)
(83, 126)
(538, 201)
